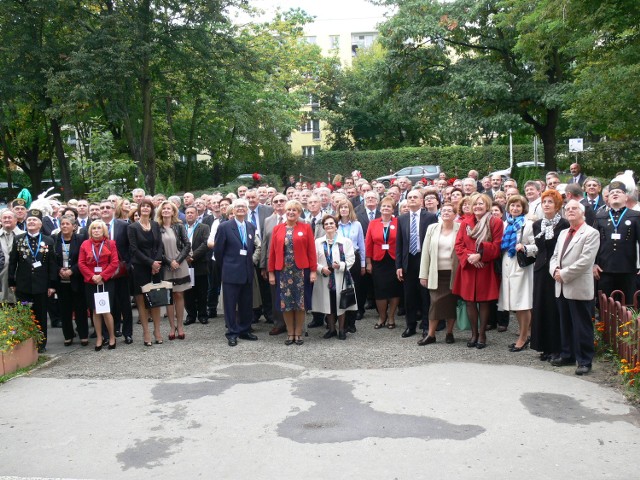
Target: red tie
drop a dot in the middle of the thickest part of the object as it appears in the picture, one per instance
(567, 240)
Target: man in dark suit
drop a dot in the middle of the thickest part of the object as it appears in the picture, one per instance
(577, 176)
(412, 227)
(195, 299)
(257, 215)
(32, 269)
(573, 192)
(234, 245)
(121, 309)
(496, 185)
(366, 212)
(213, 220)
(51, 222)
(592, 188)
(619, 227)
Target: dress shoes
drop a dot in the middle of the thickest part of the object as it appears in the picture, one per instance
(277, 330)
(203, 320)
(269, 320)
(342, 335)
(233, 342)
(57, 324)
(118, 333)
(212, 314)
(315, 324)
(449, 338)
(128, 340)
(409, 332)
(248, 336)
(189, 321)
(583, 369)
(426, 340)
(330, 333)
(359, 315)
(491, 326)
(352, 329)
(562, 361)
(502, 328)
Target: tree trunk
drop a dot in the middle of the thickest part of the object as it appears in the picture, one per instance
(65, 174)
(547, 132)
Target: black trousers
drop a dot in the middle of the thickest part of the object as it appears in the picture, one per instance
(618, 281)
(72, 303)
(576, 330)
(238, 299)
(358, 284)
(121, 308)
(416, 297)
(195, 299)
(39, 309)
(213, 292)
(265, 293)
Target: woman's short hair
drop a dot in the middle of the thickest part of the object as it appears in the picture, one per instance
(69, 211)
(486, 199)
(518, 199)
(388, 199)
(174, 212)
(293, 204)
(352, 213)
(327, 217)
(555, 195)
(149, 203)
(102, 225)
(68, 217)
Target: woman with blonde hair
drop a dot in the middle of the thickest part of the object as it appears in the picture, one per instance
(176, 247)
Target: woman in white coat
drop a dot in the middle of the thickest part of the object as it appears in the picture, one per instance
(335, 257)
(516, 288)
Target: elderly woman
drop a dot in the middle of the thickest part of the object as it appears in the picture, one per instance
(438, 262)
(432, 201)
(145, 246)
(516, 287)
(176, 247)
(380, 245)
(70, 285)
(476, 281)
(463, 209)
(335, 257)
(349, 227)
(292, 269)
(98, 262)
(545, 324)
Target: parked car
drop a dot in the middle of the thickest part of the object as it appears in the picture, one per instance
(243, 179)
(506, 173)
(415, 173)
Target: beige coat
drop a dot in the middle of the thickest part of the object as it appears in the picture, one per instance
(320, 299)
(429, 260)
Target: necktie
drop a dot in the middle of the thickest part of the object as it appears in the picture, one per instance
(83, 223)
(313, 224)
(592, 202)
(253, 218)
(413, 234)
(55, 223)
(371, 215)
(567, 240)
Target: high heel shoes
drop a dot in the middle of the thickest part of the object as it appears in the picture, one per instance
(289, 340)
(112, 347)
(172, 336)
(380, 325)
(472, 343)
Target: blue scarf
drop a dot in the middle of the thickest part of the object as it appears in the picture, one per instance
(510, 236)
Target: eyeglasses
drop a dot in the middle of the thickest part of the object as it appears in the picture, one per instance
(430, 197)
(278, 201)
(106, 207)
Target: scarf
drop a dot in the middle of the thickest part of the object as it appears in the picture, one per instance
(510, 236)
(547, 226)
(482, 231)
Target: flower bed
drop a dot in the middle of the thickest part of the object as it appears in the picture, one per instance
(20, 335)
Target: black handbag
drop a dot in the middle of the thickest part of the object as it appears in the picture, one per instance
(157, 294)
(347, 295)
(523, 259)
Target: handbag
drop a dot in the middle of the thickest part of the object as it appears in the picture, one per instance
(157, 294)
(347, 295)
(523, 259)
(101, 301)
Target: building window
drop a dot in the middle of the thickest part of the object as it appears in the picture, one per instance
(311, 40)
(334, 42)
(361, 41)
(310, 150)
(311, 126)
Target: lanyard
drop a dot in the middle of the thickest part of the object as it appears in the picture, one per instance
(596, 202)
(328, 252)
(385, 232)
(190, 230)
(615, 224)
(34, 254)
(93, 250)
(65, 246)
(243, 234)
(348, 235)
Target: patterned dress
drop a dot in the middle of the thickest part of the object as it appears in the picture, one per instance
(292, 279)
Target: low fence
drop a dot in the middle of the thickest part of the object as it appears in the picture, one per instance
(620, 328)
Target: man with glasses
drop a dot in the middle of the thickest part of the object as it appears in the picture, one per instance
(257, 215)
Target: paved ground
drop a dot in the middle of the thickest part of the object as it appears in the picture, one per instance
(374, 406)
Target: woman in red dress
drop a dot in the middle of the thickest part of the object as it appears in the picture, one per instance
(476, 281)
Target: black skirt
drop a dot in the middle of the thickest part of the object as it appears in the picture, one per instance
(91, 288)
(385, 280)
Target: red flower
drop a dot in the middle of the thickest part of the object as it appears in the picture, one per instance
(338, 184)
(451, 180)
(330, 187)
(256, 177)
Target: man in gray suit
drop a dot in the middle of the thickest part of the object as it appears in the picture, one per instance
(257, 215)
(572, 268)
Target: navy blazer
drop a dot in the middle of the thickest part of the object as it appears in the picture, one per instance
(77, 282)
(235, 268)
(403, 237)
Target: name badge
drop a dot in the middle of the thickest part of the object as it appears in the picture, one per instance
(97, 270)
(243, 252)
(385, 246)
(65, 264)
(615, 236)
(37, 264)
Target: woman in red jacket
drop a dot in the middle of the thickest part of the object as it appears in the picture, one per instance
(476, 281)
(380, 248)
(98, 262)
(292, 269)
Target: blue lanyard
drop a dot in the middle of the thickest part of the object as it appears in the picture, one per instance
(190, 230)
(596, 202)
(65, 246)
(348, 235)
(243, 234)
(385, 232)
(93, 250)
(615, 224)
(35, 254)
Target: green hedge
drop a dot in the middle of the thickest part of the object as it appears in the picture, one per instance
(600, 159)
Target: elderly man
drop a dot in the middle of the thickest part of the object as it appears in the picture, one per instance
(365, 213)
(476, 177)
(576, 174)
(592, 188)
(8, 232)
(496, 185)
(195, 299)
(469, 186)
(19, 207)
(241, 191)
(404, 184)
(573, 192)
(234, 245)
(572, 267)
(33, 271)
(138, 195)
(187, 199)
(619, 228)
(553, 180)
(532, 193)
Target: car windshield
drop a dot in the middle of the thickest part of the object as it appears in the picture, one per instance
(431, 169)
(404, 171)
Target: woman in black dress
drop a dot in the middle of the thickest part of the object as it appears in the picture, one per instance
(145, 247)
(545, 321)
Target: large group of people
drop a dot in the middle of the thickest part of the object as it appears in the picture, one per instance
(469, 250)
